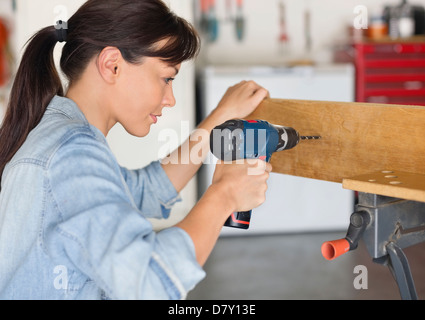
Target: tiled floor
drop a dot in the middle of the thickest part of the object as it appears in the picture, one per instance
(292, 267)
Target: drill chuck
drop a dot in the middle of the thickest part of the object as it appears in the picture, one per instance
(288, 138)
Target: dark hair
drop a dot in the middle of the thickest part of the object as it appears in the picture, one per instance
(133, 26)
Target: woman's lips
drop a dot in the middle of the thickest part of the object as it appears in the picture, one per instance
(154, 118)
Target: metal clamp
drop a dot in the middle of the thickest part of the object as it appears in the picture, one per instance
(388, 225)
(395, 224)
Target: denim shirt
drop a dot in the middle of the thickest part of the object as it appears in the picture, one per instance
(73, 223)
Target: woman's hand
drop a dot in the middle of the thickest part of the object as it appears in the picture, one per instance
(244, 182)
(236, 186)
(240, 100)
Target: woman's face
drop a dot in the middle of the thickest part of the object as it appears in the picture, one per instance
(144, 90)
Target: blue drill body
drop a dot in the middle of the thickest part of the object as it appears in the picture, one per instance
(249, 139)
(265, 140)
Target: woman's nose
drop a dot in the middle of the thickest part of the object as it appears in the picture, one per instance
(169, 99)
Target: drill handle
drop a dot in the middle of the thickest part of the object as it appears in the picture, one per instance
(239, 220)
(242, 219)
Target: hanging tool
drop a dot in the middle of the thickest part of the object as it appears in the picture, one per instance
(239, 20)
(212, 22)
(307, 29)
(205, 5)
(251, 139)
(283, 36)
(229, 11)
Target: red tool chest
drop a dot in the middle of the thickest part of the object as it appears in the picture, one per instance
(390, 72)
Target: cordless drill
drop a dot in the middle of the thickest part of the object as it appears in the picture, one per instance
(251, 139)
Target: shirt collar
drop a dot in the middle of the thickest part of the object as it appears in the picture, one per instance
(71, 110)
(67, 107)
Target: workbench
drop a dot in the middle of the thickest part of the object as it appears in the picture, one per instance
(377, 150)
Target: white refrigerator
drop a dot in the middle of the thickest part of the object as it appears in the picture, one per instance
(293, 204)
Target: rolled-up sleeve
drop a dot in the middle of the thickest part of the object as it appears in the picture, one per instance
(149, 187)
(103, 232)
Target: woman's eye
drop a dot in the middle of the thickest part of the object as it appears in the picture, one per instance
(168, 80)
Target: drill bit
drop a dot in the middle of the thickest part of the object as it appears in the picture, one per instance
(310, 137)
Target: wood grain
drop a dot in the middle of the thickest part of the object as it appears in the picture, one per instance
(357, 138)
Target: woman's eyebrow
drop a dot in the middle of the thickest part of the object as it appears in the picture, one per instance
(172, 66)
(176, 70)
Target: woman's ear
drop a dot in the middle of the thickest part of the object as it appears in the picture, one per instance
(108, 64)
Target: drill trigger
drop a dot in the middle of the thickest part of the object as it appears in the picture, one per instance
(238, 221)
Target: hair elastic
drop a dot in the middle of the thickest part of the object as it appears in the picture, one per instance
(61, 30)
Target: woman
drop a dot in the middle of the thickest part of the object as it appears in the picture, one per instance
(72, 222)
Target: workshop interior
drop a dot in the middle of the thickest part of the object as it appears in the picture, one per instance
(312, 238)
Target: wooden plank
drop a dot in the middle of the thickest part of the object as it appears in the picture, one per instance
(398, 184)
(357, 138)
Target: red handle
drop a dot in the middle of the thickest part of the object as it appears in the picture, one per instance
(335, 248)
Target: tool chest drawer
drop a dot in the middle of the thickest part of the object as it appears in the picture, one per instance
(390, 72)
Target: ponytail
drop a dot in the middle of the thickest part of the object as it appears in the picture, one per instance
(36, 83)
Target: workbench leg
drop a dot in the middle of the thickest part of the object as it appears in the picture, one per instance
(400, 269)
